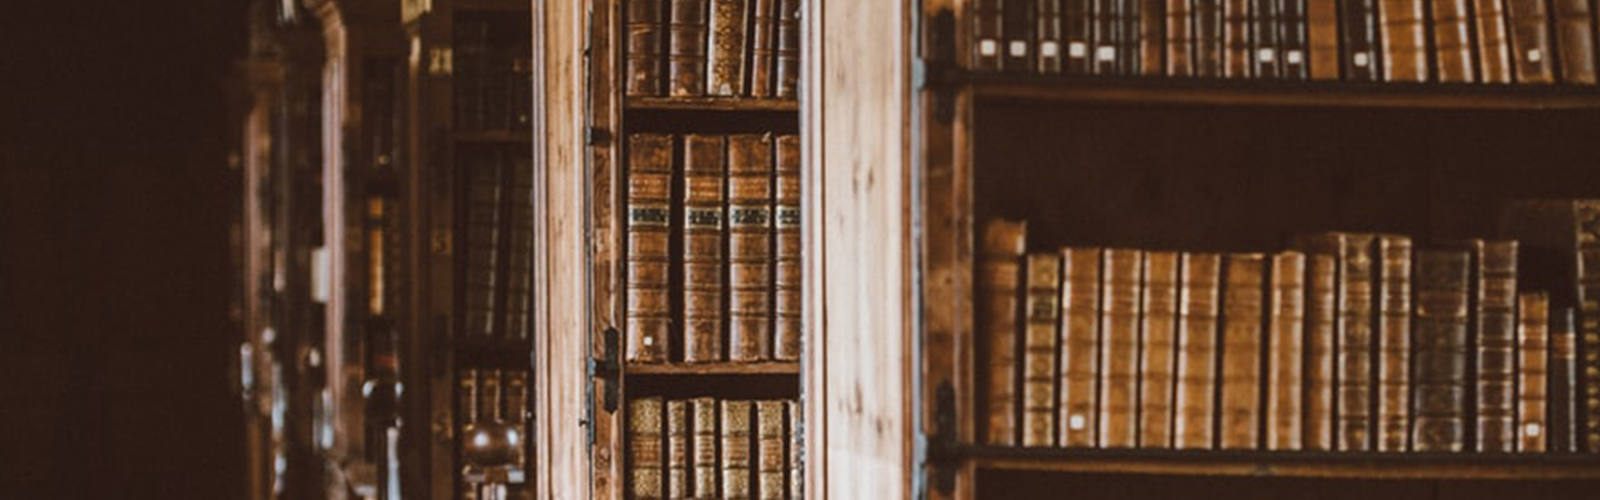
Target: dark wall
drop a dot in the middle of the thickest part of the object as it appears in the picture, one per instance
(114, 339)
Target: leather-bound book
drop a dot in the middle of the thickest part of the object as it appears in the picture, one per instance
(1292, 28)
(787, 278)
(470, 67)
(770, 470)
(678, 450)
(1039, 349)
(1236, 44)
(1286, 351)
(644, 449)
(1322, 33)
(705, 432)
(1404, 41)
(649, 227)
(1443, 285)
(750, 247)
(1322, 323)
(516, 390)
(1563, 379)
(1239, 406)
(725, 48)
(1394, 343)
(686, 47)
(1353, 363)
(1529, 22)
(1180, 38)
(1107, 36)
(1494, 48)
(763, 48)
(1119, 353)
(1208, 38)
(466, 397)
(736, 460)
(1587, 217)
(1080, 343)
(485, 194)
(1017, 18)
(788, 72)
(797, 448)
(1158, 335)
(705, 167)
(1050, 47)
(1077, 32)
(1358, 28)
(1574, 20)
(519, 285)
(1452, 41)
(1198, 313)
(489, 396)
(645, 61)
(999, 307)
(1497, 334)
(1152, 37)
(1266, 40)
(1533, 340)
(1129, 55)
(988, 20)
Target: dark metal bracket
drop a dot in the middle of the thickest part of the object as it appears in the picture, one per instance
(938, 71)
(609, 370)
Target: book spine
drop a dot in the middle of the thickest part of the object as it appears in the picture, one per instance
(1533, 337)
(1530, 41)
(1152, 37)
(1208, 38)
(1080, 343)
(516, 389)
(1394, 343)
(1236, 61)
(519, 285)
(770, 470)
(1494, 52)
(497, 80)
(705, 447)
(1452, 41)
(704, 169)
(686, 48)
(1322, 28)
(988, 21)
(1588, 275)
(787, 278)
(485, 195)
(1355, 344)
(1358, 21)
(1563, 379)
(1107, 36)
(763, 48)
(1441, 357)
(1047, 28)
(1158, 333)
(1292, 29)
(470, 55)
(466, 397)
(1497, 329)
(644, 448)
(522, 80)
(678, 450)
(796, 471)
(1574, 23)
(1077, 31)
(1404, 41)
(1240, 401)
(736, 463)
(1119, 324)
(725, 63)
(644, 63)
(1286, 351)
(1129, 40)
(489, 396)
(1017, 18)
(649, 226)
(750, 247)
(1180, 38)
(1265, 39)
(999, 285)
(1039, 349)
(1322, 314)
(1197, 353)
(788, 73)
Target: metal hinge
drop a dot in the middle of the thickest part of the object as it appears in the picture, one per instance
(944, 449)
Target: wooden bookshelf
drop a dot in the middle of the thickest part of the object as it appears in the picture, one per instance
(712, 104)
(714, 369)
(1432, 466)
(1244, 92)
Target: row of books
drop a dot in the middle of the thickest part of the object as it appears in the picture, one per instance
(712, 451)
(740, 48)
(496, 241)
(713, 251)
(492, 68)
(1347, 342)
(1453, 41)
(489, 395)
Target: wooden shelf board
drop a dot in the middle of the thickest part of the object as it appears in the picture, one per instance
(492, 5)
(492, 353)
(712, 104)
(1205, 92)
(495, 136)
(1292, 464)
(717, 368)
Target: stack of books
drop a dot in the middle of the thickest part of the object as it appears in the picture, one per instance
(727, 48)
(492, 67)
(730, 449)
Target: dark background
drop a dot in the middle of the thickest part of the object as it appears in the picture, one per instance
(115, 377)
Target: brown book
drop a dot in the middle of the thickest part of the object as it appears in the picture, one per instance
(1530, 40)
(1047, 32)
(486, 193)
(788, 49)
(1266, 61)
(1077, 31)
(1108, 37)
(649, 227)
(516, 389)
(725, 54)
(770, 470)
(1574, 40)
(1394, 343)
(1353, 364)
(489, 396)
(1322, 28)
(1080, 343)
(644, 448)
(1322, 323)
(1119, 353)
(1452, 41)
(1286, 352)
(1039, 349)
(686, 48)
(1239, 406)
(797, 448)
(1563, 379)
(1129, 56)
(466, 397)
(1443, 287)
(1017, 18)
(1208, 45)
(1158, 334)
(1236, 60)
(736, 465)
(788, 271)
(1152, 37)
(645, 59)
(704, 168)
(749, 247)
(1533, 338)
(1180, 38)
(1292, 25)
(1494, 51)
(1497, 334)
(999, 307)
(1197, 351)
(519, 285)
(763, 48)
(1404, 41)
(678, 454)
(988, 18)
(1588, 274)
(1358, 29)
(704, 427)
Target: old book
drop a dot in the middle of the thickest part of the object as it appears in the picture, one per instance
(1017, 18)
(1077, 32)
(705, 452)
(1574, 40)
(649, 228)
(1292, 29)
(644, 448)
(1443, 285)
(1494, 49)
(1353, 363)
(705, 167)
(1119, 353)
(1039, 349)
(788, 73)
(1404, 41)
(1529, 24)
(1197, 351)
(763, 48)
(645, 61)
(1158, 334)
(1129, 57)
(678, 455)
(1588, 274)
(796, 433)
(519, 283)
(725, 48)
(490, 398)
(1358, 29)
(1239, 405)
(1266, 40)
(750, 247)
(1180, 38)
(1107, 36)
(1394, 343)
(497, 78)
(1286, 351)
(686, 48)
(1236, 57)
(1208, 38)
(1452, 41)
(736, 465)
(1080, 343)
(1322, 33)
(770, 470)
(787, 278)
(1047, 36)
(1563, 379)
(482, 281)
(1322, 327)
(988, 21)
(1533, 338)
(999, 306)
(516, 396)
(1497, 334)
(470, 64)
(1152, 37)
(466, 397)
